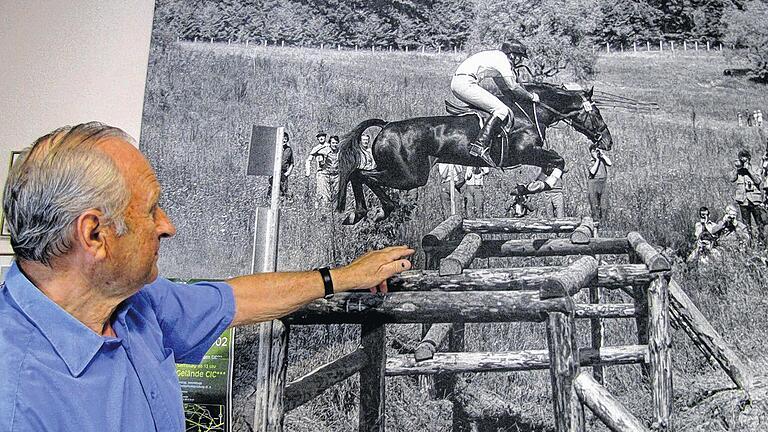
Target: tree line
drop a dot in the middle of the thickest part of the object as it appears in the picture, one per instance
(560, 32)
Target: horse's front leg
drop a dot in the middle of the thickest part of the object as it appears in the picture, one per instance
(552, 166)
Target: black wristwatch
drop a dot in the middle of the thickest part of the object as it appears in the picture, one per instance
(325, 272)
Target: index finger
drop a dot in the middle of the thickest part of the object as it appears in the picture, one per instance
(397, 252)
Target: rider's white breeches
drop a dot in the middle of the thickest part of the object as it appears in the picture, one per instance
(467, 90)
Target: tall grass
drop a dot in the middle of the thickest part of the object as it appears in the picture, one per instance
(200, 105)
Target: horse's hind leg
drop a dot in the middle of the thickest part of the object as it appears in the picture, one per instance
(361, 208)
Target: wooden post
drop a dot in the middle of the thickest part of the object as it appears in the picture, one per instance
(685, 46)
(211, 40)
(647, 45)
(406, 48)
(708, 338)
(647, 253)
(640, 297)
(462, 257)
(695, 45)
(605, 406)
(195, 39)
(273, 335)
(634, 46)
(372, 395)
(659, 344)
(423, 49)
(564, 367)
(721, 46)
(672, 45)
(661, 45)
(597, 331)
(707, 45)
(338, 47)
(447, 386)
(607, 48)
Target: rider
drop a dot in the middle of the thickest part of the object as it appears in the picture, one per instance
(465, 86)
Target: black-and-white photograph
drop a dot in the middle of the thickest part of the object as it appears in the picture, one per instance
(582, 182)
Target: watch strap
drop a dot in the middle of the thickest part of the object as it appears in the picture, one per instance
(325, 272)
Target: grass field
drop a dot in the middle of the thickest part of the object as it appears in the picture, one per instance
(200, 105)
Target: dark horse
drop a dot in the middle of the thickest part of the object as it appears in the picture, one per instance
(406, 150)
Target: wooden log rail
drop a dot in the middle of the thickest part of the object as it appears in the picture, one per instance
(537, 247)
(462, 257)
(606, 407)
(514, 278)
(441, 307)
(431, 341)
(584, 233)
(707, 338)
(442, 232)
(571, 279)
(470, 362)
(311, 385)
(520, 226)
(647, 253)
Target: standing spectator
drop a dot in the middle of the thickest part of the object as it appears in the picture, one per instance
(759, 118)
(730, 232)
(286, 168)
(327, 156)
(740, 118)
(474, 198)
(366, 161)
(750, 118)
(448, 173)
(748, 195)
(554, 201)
(597, 180)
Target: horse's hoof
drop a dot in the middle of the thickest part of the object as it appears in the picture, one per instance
(536, 186)
(380, 215)
(353, 218)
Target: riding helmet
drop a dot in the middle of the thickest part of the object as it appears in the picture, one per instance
(514, 46)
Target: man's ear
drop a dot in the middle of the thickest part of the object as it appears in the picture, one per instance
(90, 233)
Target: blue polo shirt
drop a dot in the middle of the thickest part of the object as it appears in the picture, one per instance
(58, 375)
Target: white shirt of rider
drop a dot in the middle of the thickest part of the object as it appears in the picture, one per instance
(489, 64)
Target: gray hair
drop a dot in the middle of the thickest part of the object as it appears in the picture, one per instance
(62, 175)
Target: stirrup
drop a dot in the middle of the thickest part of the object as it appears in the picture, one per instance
(484, 155)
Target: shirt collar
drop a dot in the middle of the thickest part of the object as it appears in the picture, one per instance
(75, 343)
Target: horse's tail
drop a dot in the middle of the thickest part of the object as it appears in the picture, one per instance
(350, 157)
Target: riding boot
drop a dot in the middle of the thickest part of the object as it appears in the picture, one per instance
(481, 147)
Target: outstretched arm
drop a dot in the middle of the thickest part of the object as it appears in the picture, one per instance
(266, 296)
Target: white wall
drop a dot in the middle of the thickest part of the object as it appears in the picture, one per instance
(67, 62)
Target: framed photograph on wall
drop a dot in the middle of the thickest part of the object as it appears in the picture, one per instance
(5, 232)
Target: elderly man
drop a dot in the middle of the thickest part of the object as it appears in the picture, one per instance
(89, 333)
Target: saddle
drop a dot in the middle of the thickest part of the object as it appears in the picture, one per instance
(455, 109)
(502, 138)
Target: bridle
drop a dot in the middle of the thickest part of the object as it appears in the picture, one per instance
(578, 119)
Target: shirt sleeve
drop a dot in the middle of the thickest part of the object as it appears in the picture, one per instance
(502, 65)
(191, 316)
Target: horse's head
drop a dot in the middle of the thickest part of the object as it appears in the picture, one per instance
(587, 120)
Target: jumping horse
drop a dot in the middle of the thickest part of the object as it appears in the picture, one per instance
(406, 150)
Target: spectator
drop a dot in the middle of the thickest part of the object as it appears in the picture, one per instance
(366, 161)
(730, 232)
(705, 251)
(286, 168)
(448, 173)
(740, 118)
(554, 201)
(327, 176)
(759, 118)
(597, 180)
(474, 196)
(748, 195)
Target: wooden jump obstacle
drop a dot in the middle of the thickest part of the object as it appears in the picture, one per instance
(448, 294)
